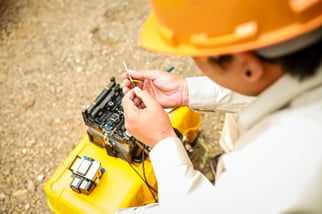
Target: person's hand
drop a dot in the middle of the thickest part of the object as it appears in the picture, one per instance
(148, 123)
(168, 89)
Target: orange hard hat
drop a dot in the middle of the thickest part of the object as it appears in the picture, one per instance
(215, 27)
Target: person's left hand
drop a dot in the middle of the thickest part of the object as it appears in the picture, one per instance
(148, 123)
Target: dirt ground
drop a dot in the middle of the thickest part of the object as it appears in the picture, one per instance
(55, 57)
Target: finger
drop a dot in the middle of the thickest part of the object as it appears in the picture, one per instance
(125, 75)
(145, 97)
(147, 74)
(139, 83)
(128, 104)
(135, 74)
(126, 83)
(125, 90)
(130, 95)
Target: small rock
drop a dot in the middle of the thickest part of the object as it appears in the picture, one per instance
(79, 69)
(57, 120)
(30, 142)
(27, 206)
(40, 178)
(2, 197)
(29, 103)
(20, 193)
(31, 186)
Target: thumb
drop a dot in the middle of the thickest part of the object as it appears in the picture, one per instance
(127, 102)
(146, 98)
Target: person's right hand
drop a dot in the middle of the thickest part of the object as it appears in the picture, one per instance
(149, 112)
(168, 89)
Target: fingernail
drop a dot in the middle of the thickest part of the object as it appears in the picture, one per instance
(137, 90)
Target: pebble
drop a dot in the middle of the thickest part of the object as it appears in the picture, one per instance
(2, 197)
(27, 206)
(31, 186)
(29, 103)
(20, 193)
(40, 178)
(30, 142)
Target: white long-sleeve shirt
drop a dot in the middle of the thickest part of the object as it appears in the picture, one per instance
(275, 168)
(206, 95)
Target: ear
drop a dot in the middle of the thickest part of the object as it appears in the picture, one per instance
(251, 69)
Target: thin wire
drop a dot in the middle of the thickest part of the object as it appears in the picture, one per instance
(143, 170)
(144, 179)
(131, 80)
(132, 83)
(150, 188)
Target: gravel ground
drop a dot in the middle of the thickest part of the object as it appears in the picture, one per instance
(55, 57)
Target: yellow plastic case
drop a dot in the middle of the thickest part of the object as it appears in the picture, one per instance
(186, 121)
(120, 186)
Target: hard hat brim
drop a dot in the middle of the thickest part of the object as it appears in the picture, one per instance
(151, 38)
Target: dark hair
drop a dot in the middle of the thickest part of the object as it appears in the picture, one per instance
(221, 60)
(301, 64)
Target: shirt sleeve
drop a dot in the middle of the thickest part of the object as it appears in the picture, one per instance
(257, 179)
(178, 181)
(206, 95)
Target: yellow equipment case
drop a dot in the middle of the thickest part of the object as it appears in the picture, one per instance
(117, 182)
